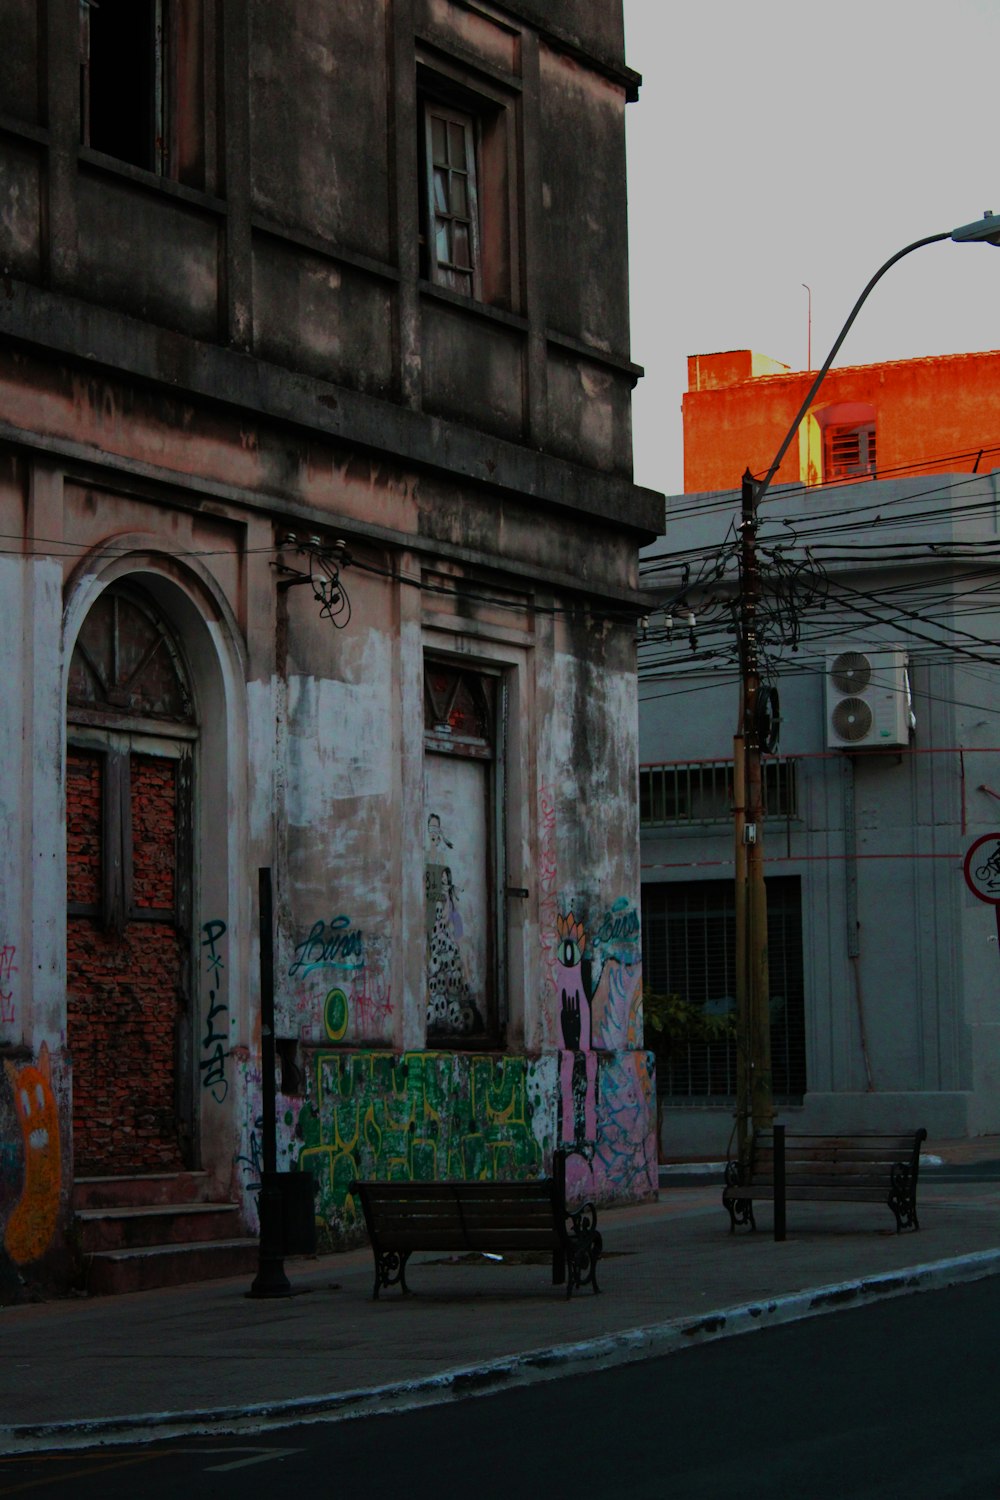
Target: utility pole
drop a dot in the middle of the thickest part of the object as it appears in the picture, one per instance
(755, 1020)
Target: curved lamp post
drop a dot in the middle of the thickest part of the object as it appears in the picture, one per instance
(755, 1094)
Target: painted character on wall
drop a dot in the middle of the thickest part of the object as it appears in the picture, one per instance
(578, 1062)
(450, 1005)
(33, 1221)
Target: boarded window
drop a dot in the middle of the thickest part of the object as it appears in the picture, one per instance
(463, 849)
(128, 854)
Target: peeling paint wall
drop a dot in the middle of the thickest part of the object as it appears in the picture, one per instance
(452, 996)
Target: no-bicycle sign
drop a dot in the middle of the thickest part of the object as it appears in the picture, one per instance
(982, 868)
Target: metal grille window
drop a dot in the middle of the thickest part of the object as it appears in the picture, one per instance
(850, 451)
(702, 792)
(688, 950)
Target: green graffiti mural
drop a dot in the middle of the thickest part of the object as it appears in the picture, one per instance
(417, 1116)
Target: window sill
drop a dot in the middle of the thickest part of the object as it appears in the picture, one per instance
(437, 293)
(110, 166)
(319, 246)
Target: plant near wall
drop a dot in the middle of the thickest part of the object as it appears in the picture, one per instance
(671, 1024)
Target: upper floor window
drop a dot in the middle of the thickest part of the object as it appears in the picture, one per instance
(452, 208)
(849, 451)
(468, 202)
(123, 80)
(142, 85)
(840, 439)
(675, 793)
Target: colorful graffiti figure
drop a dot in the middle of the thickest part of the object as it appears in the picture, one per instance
(33, 1221)
(450, 1005)
(578, 1062)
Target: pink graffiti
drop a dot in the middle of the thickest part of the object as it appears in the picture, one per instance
(548, 880)
(370, 999)
(575, 1020)
(7, 972)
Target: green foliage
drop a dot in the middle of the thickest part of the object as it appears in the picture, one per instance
(671, 1021)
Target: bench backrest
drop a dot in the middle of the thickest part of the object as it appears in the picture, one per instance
(837, 1159)
(462, 1215)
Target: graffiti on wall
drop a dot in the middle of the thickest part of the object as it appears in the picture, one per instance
(7, 972)
(32, 1223)
(605, 1106)
(420, 1116)
(215, 1042)
(248, 1158)
(340, 982)
(334, 944)
(548, 881)
(621, 1163)
(451, 1004)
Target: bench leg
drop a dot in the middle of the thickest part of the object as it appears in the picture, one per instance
(903, 1198)
(583, 1260)
(558, 1267)
(390, 1269)
(740, 1212)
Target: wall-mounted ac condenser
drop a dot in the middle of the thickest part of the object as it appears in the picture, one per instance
(867, 699)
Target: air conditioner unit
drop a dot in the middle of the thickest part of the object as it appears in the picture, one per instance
(867, 699)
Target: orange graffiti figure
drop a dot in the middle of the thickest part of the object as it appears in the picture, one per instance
(31, 1225)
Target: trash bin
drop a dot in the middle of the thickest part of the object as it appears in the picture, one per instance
(295, 1192)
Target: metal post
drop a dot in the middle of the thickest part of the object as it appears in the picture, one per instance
(740, 942)
(779, 1182)
(271, 1280)
(758, 983)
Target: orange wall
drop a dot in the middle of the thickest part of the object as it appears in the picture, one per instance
(932, 415)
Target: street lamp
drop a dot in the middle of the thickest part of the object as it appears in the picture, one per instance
(755, 1094)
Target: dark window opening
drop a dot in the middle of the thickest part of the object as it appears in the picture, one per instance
(688, 951)
(122, 85)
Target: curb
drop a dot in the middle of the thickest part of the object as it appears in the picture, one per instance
(627, 1347)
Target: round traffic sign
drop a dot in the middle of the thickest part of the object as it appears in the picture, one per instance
(982, 868)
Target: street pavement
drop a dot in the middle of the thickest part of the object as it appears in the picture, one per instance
(80, 1371)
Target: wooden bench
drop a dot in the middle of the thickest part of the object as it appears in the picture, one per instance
(825, 1169)
(490, 1217)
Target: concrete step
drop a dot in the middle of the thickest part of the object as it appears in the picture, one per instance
(144, 1267)
(155, 1224)
(142, 1190)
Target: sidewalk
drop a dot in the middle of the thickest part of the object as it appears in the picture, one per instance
(207, 1357)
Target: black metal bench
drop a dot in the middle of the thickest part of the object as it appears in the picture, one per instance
(825, 1169)
(490, 1217)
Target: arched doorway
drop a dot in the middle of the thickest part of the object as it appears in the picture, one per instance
(131, 731)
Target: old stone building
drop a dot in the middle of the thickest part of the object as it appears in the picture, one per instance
(320, 557)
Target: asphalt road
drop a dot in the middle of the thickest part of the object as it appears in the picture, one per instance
(894, 1399)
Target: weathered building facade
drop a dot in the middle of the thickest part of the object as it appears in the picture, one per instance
(320, 557)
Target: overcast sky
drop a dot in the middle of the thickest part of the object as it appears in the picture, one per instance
(782, 142)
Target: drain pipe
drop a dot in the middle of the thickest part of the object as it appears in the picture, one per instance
(853, 922)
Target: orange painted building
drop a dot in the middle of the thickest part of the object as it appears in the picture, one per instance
(939, 414)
